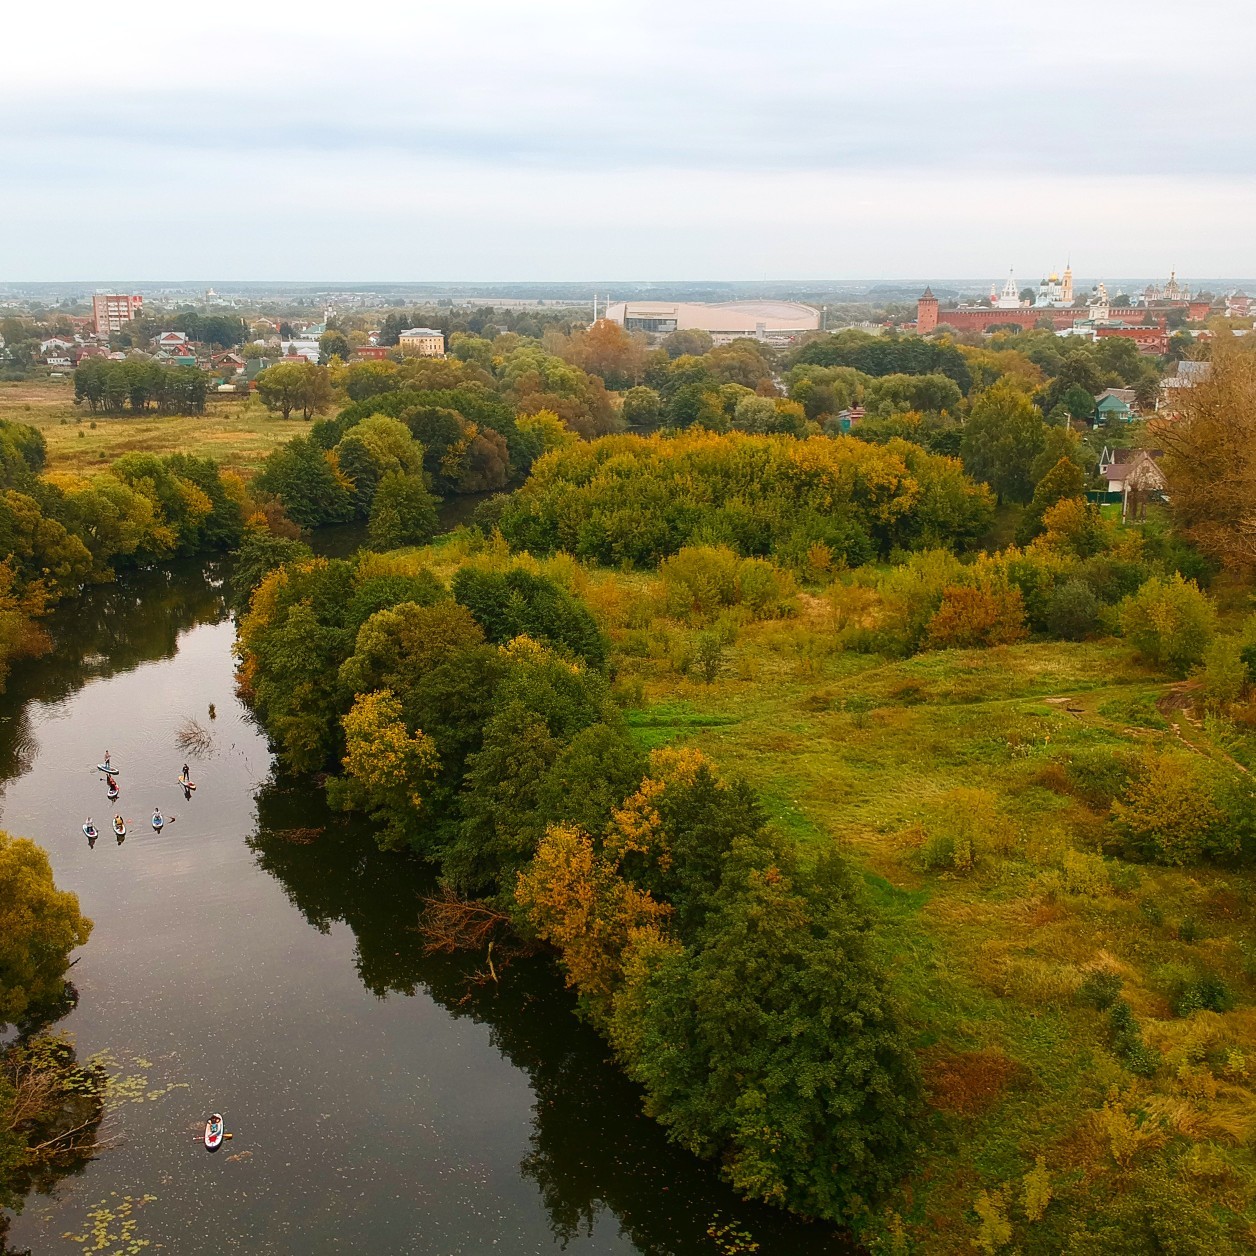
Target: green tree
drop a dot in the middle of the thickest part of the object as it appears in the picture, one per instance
(333, 344)
(1170, 622)
(1063, 481)
(39, 927)
(1002, 437)
(793, 1068)
(642, 409)
(403, 512)
(687, 341)
(1079, 403)
(289, 386)
(301, 476)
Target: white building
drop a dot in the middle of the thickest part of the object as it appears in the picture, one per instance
(424, 341)
(778, 321)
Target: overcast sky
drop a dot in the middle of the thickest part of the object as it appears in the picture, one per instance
(480, 140)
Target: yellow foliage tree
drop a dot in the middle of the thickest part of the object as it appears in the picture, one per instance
(39, 927)
(576, 901)
(388, 768)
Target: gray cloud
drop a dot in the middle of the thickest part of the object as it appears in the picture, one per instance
(409, 105)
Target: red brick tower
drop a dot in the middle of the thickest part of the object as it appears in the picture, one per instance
(927, 313)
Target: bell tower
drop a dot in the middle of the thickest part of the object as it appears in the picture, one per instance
(926, 313)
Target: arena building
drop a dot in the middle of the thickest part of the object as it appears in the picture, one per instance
(777, 321)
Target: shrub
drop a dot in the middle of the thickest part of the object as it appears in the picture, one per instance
(1099, 990)
(985, 614)
(1224, 673)
(699, 579)
(1127, 1041)
(1072, 611)
(1170, 622)
(965, 826)
(1168, 815)
(1203, 991)
(1099, 776)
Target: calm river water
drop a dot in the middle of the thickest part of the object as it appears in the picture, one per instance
(377, 1103)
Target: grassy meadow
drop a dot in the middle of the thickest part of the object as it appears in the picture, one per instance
(238, 434)
(906, 764)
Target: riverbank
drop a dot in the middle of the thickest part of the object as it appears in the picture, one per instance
(259, 958)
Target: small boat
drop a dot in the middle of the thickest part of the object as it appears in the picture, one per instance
(119, 826)
(107, 769)
(214, 1132)
(158, 821)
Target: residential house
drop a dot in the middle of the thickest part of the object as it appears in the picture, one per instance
(226, 363)
(1136, 475)
(1115, 403)
(1171, 386)
(371, 353)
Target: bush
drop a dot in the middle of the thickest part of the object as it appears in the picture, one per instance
(1170, 622)
(1099, 776)
(1072, 611)
(1099, 990)
(1127, 1041)
(1224, 673)
(985, 614)
(1203, 991)
(1168, 815)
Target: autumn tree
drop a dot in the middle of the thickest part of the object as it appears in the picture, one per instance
(1210, 460)
(39, 927)
(575, 900)
(388, 768)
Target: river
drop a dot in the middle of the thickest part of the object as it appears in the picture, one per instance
(259, 957)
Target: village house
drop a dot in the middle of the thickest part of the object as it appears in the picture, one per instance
(1115, 403)
(1136, 476)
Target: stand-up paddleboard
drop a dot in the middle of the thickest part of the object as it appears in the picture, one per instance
(111, 793)
(106, 769)
(213, 1132)
(119, 826)
(158, 821)
(91, 832)
(186, 784)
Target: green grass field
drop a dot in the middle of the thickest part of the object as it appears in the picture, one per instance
(876, 758)
(237, 434)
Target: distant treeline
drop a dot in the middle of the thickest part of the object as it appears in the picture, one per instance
(136, 384)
